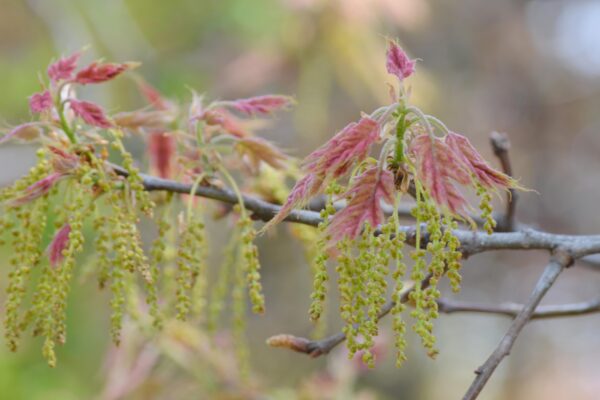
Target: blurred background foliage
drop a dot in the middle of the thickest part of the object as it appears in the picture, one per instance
(530, 68)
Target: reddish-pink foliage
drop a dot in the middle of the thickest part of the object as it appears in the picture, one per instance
(397, 61)
(351, 144)
(38, 189)
(255, 150)
(63, 68)
(62, 161)
(261, 105)
(27, 131)
(161, 147)
(98, 73)
(40, 102)
(438, 169)
(485, 174)
(152, 95)
(364, 204)
(304, 189)
(58, 245)
(90, 113)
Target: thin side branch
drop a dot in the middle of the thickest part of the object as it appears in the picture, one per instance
(316, 348)
(448, 306)
(559, 261)
(501, 145)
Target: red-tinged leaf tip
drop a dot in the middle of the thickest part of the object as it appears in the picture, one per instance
(40, 102)
(152, 95)
(98, 73)
(364, 204)
(63, 68)
(348, 146)
(301, 193)
(91, 113)
(261, 105)
(161, 147)
(58, 245)
(255, 150)
(38, 189)
(63, 162)
(483, 172)
(27, 131)
(439, 168)
(397, 62)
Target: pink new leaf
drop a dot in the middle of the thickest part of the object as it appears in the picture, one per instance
(348, 146)
(261, 105)
(62, 161)
(58, 245)
(438, 169)
(398, 63)
(364, 204)
(40, 102)
(161, 147)
(27, 131)
(304, 189)
(38, 189)
(98, 73)
(90, 113)
(63, 68)
(255, 150)
(484, 173)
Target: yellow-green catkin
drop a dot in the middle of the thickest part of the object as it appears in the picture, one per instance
(420, 299)
(191, 262)
(27, 234)
(453, 254)
(319, 264)
(238, 305)
(485, 205)
(200, 270)
(157, 258)
(251, 263)
(139, 195)
(398, 323)
(219, 291)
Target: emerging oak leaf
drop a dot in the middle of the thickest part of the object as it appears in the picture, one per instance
(301, 193)
(161, 147)
(438, 169)
(261, 105)
(483, 172)
(58, 245)
(63, 68)
(348, 146)
(364, 204)
(27, 131)
(40, 102)
(330, 161)
(90, 113)
(291, 342)
(38, 189)
(254, 150)
(140, 119)
(397, 62)
(63, 162)
(101, 72)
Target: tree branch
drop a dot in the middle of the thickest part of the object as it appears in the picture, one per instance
(559, 261)
(472, 242)
(513, 309)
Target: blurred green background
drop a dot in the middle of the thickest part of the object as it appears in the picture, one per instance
(529, 68)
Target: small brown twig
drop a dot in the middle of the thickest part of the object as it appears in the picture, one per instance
(501, 145)
(558, 262)
(316, 348)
